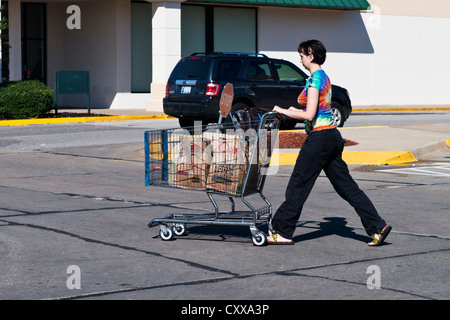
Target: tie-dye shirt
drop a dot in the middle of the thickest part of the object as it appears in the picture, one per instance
(323, 118)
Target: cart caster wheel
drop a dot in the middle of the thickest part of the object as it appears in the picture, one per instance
(166, 233)
(179, 229)
(259, 239)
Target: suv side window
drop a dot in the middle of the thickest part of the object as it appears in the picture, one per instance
(287, 73)
(258, 70)
(228, 69)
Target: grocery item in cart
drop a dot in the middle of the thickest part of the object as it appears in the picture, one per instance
(229, 164)
(190, 168)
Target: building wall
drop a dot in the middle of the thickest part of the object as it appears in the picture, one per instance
(381, 59)
(417, 8)
(394, 54)
(91, 48)
(102, 46)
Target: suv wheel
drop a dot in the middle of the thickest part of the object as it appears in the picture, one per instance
(288, 124)
(239, 106)
(187, 122)
(236, 107)
(338, 114)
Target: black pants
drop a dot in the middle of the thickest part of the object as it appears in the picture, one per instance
(323, 150)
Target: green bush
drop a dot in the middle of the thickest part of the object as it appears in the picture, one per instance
(25, 99)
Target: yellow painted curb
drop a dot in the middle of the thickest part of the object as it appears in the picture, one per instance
(359, 157)
(80, 119)
(378, 157)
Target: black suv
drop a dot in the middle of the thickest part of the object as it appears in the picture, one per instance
(194, 87)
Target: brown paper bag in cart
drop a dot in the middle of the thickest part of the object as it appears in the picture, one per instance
(228, 163)
(191, 168)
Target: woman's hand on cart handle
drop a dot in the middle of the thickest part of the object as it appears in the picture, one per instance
(282, 110)
(277, 109)
(269, 113)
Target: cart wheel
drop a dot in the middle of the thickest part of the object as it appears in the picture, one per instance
(259, 239)
(179, 229)
(166, 234)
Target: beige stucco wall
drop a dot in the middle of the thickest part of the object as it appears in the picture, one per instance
(102, 46)
(381, 59)
(418, 8)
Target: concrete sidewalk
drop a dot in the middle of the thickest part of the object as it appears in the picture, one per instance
(375, 144)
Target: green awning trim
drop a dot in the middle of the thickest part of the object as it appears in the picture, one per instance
(325, 4)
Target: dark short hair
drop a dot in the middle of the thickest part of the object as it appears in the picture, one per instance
(314, 47)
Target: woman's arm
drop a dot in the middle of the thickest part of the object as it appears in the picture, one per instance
(311, 107)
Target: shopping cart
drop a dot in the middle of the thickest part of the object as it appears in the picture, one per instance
(226, 159)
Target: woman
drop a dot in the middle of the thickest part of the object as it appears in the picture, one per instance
(322, 150)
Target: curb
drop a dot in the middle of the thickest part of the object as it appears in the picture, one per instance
(25, 122)
(432, 147)
(400, 109)
(373, 157)
(283, 159)
(360, 157)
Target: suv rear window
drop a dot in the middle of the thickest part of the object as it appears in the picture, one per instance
(227, 69)
(191, 68)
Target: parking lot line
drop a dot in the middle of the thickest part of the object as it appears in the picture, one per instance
(437, 170)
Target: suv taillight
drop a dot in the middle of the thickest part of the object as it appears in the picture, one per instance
(212, 89)
(167, 89)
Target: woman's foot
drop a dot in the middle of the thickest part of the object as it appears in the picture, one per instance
(275, 238)
(380, 236)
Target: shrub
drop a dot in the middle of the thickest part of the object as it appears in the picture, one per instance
(25, 99)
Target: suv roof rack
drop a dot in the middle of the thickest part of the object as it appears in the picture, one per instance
(206, 53)
(246, 54)
(230, 53)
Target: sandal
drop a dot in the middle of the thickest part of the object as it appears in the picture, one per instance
(275, 238)
(379, 237)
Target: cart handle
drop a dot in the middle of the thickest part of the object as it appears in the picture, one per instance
(267, 114)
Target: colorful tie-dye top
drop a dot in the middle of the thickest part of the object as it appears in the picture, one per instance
(323, 118)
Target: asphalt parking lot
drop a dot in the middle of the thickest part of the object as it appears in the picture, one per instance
(73, 225)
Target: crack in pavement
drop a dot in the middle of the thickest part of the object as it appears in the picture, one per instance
(287, 272)
(228, 275)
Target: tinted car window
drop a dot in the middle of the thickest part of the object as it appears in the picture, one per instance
(258, 70)
(287, 73)
(191, 68)
(227, 69)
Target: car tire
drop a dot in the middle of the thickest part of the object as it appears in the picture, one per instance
(235, 107)
(338, 114)
(188, 122)
(239, 106)
(185, 122)
(288, 124)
